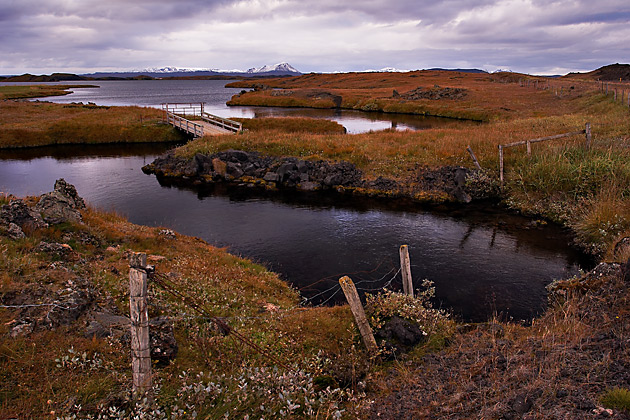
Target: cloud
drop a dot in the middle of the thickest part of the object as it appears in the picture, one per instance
(313, 35)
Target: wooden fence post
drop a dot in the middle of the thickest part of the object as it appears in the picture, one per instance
(474, 158)
(140, 346)
(501, 164)
(359, 314)
(587, 132)
(405, 268)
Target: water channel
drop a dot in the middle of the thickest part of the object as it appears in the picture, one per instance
(482, 259)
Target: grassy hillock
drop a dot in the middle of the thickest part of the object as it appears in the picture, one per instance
(28, 124)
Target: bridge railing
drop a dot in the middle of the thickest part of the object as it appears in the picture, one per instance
(197, 110)
(224, 123)
(183, 124)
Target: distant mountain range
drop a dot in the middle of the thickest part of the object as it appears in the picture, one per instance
(280, 69)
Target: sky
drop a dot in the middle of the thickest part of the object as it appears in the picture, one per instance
(528, 36)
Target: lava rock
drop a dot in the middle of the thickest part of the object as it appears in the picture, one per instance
(163, 344)
(18, 213)
(62, 205)
(400, 333)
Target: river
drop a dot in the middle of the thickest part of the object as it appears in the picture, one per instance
(482, 260)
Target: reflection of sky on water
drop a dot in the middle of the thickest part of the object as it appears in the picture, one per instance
(479, 263)
(214, 94)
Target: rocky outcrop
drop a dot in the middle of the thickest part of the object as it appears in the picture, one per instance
(435, 93)
(21, 216)
(253, 169)
(61, 205)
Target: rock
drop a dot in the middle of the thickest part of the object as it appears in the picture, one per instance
(271, 177)
(400, 332)
(15, 232)
(163, 344)
(308, 186)
(61, 205)
(625, 271)
(285, 170)
(18, 213)
(219, 166)
(167, 233)
(155, 258)
(237, 155)
(54, 248)
(623, 245)
(234, 170)
(521, 404)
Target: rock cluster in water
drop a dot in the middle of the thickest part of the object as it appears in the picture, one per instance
(253, 169)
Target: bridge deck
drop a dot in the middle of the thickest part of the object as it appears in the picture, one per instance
(203, 124)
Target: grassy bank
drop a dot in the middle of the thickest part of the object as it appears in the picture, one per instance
(291, 125)
(588, 190)
(52, 365)
(58, 281)
(37, 91)
(28, 124)
(482, 97)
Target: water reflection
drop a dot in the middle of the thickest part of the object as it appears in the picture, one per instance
(481, 258)
(215, 95)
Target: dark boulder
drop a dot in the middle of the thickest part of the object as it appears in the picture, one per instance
(400, 334)
(61, 205)
(18, 213)
(163, 344)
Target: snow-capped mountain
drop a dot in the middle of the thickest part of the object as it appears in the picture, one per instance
(280, 67)
(385, 70)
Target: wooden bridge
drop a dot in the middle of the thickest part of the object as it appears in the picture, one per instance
(192, 119)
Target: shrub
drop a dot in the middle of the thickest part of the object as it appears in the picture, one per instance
(618, 398)
(418, 309)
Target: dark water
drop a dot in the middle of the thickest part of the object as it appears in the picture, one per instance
(215, 95)
(481, 259)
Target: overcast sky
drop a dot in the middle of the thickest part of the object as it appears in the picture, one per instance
(530, 36)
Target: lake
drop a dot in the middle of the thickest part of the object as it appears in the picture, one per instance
(215, 95)
(482, 259)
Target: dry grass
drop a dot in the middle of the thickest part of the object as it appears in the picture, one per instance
(292, 125)
(252, 300)
(27, 124)
(36, 91)
(555, 369)
(489, 96)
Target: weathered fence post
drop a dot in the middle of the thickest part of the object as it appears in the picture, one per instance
(501, 164)
(140, 346)
(359, 314)
(474, 158)
(587, 132)
(529, 148)
(405, 268)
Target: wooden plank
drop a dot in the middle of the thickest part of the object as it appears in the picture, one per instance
(359, 314)
(405, 267)
(474, 158)
(557, 136)
(138, 308)
(501, 164)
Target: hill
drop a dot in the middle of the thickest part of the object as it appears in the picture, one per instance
(611, 72)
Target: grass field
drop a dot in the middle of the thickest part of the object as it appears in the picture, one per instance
(28, 124)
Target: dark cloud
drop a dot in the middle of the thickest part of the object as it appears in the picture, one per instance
(314, 35)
